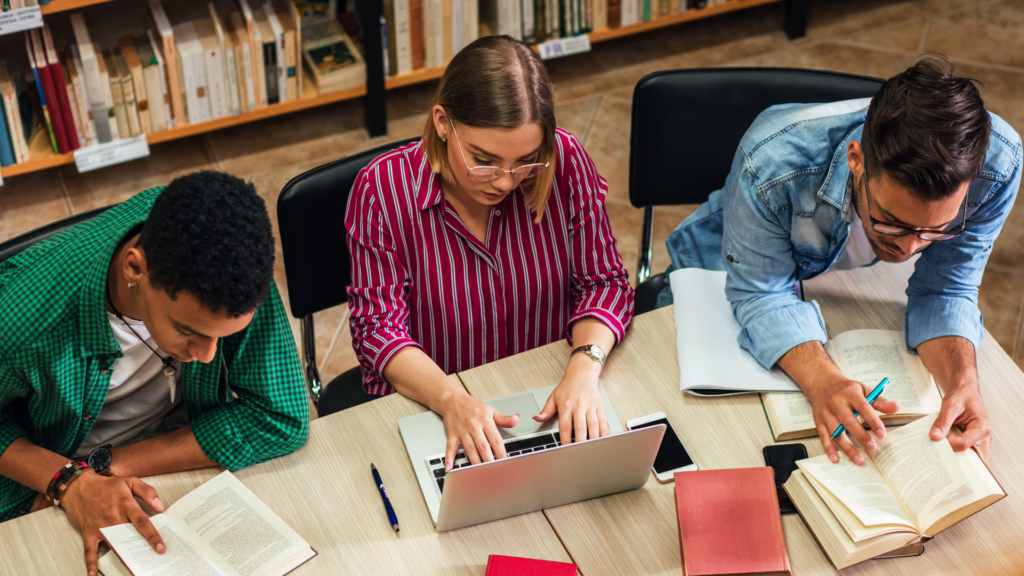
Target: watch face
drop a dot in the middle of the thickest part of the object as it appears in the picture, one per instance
(100, 459)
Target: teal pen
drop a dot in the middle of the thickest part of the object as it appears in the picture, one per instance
(871, 398)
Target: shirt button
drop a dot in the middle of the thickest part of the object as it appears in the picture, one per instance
(87, 417)
(805, 263)
(729, 258)
(834, 241)
(497, 212)
(104, 372)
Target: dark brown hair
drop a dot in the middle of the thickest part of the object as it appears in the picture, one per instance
(927, 129)
(497, 82)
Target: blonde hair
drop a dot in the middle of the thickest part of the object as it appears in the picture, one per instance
(497, 82)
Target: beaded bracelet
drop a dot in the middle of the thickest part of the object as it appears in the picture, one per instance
(62, 479)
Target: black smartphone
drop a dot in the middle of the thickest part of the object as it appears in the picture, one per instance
(782, 458)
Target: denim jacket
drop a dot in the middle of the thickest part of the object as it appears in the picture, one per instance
(784, 215)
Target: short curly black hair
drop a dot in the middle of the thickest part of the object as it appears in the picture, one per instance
(209, 235)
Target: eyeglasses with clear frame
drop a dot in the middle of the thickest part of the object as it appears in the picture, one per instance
(488, 173)
(930, 235)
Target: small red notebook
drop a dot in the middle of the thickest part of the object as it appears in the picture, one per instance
(513, 566)
(729, 523)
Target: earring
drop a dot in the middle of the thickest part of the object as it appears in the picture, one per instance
(445, 138)
(130, 285)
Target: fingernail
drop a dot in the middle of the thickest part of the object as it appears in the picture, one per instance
(158, 502)
(880, 432)
(871, 445)
(160, 547)
(936, 432)
(447, 468)
(834, 458)
(858, 460)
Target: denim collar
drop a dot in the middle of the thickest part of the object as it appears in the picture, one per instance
(836, 188)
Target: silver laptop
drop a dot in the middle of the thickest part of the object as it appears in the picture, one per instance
(539, 472)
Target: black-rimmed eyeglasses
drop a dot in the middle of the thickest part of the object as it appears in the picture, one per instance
(930, 235)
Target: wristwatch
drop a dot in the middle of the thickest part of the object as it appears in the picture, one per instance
(593, 350)
(99, 460)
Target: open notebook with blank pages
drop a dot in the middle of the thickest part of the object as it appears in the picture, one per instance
(711, 361)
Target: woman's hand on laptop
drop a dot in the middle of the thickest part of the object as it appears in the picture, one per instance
(577, 400)
(474, 425)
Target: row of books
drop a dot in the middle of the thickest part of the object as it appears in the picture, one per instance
(422, 34)
(171, 74)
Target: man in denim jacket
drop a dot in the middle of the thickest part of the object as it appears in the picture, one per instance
(919, 168)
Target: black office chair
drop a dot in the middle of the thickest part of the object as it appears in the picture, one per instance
(16, 246)
(686, 126)
(311, 216)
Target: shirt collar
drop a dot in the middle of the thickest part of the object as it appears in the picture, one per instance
(836, 188)
(94, 332)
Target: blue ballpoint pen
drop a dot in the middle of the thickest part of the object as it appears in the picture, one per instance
(871, 398)
(384, 496)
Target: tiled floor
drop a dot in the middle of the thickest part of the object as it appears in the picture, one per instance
(873, 37)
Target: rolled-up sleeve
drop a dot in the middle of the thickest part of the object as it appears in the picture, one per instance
(378, 294)
(758, 256)
(942, 295)
(600, 284)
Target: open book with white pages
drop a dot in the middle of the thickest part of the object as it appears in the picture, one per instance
(907, 491)
(218, 529)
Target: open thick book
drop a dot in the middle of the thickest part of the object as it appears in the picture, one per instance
(908, 490)
(218, 529)
(866, 356)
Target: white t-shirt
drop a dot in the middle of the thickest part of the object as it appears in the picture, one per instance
(139, 396)
(858, 251)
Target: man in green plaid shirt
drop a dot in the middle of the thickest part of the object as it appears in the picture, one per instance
(169, 296)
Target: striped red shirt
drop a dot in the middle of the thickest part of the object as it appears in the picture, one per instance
(420, 277)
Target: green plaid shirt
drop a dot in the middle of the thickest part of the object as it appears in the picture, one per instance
(57, 350)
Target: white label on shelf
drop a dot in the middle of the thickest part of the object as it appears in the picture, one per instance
(564, 47)
(20, 19)
(102, 155)
(1, 179)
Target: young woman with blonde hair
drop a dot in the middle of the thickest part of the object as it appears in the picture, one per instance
(487, 238)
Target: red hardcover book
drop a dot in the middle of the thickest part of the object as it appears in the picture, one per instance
(416, 34)
(61, 89)
(46, 83)
(614, 13)
(729, 523)
(513, 566)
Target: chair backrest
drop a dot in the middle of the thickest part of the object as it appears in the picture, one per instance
(18, 245)
(687, 123)
(311, 217)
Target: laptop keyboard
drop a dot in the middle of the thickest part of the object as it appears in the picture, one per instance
(512, 448)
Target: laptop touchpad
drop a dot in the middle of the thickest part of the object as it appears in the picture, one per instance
(523, 404)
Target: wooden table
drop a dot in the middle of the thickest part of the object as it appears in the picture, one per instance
(636, 532)
(326, 493)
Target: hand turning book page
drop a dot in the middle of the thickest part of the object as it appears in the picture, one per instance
(866, 356)
(908, 490)
(711, 361)
(218, 529)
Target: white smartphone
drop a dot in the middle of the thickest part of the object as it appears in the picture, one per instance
(672, 456)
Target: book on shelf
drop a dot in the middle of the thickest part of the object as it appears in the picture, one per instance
(515, 566)
(77, 77)
(248, 90)
(220, 527)
(256, 53)
(416, 40)
(7, 157)
(69, 88)
(628, 12)
(267, 56)
(279, 51)
(909, 489)
(12, 84)
(229, 70)
(333, 59)
(152, 73)
(45, 92)
(108, 94)
(92, 83)
(292, 63)
(131, 101)
(729, 523)
(213, 63)
(117, 94)
(60, 89)
(192, 68)
(866, 356)
(529, 22)
(169, 54)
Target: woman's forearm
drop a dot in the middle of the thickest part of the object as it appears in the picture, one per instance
(417, 377)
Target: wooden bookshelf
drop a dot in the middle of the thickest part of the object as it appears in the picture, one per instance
(64, 5)
(795, 20)
(44, 160)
